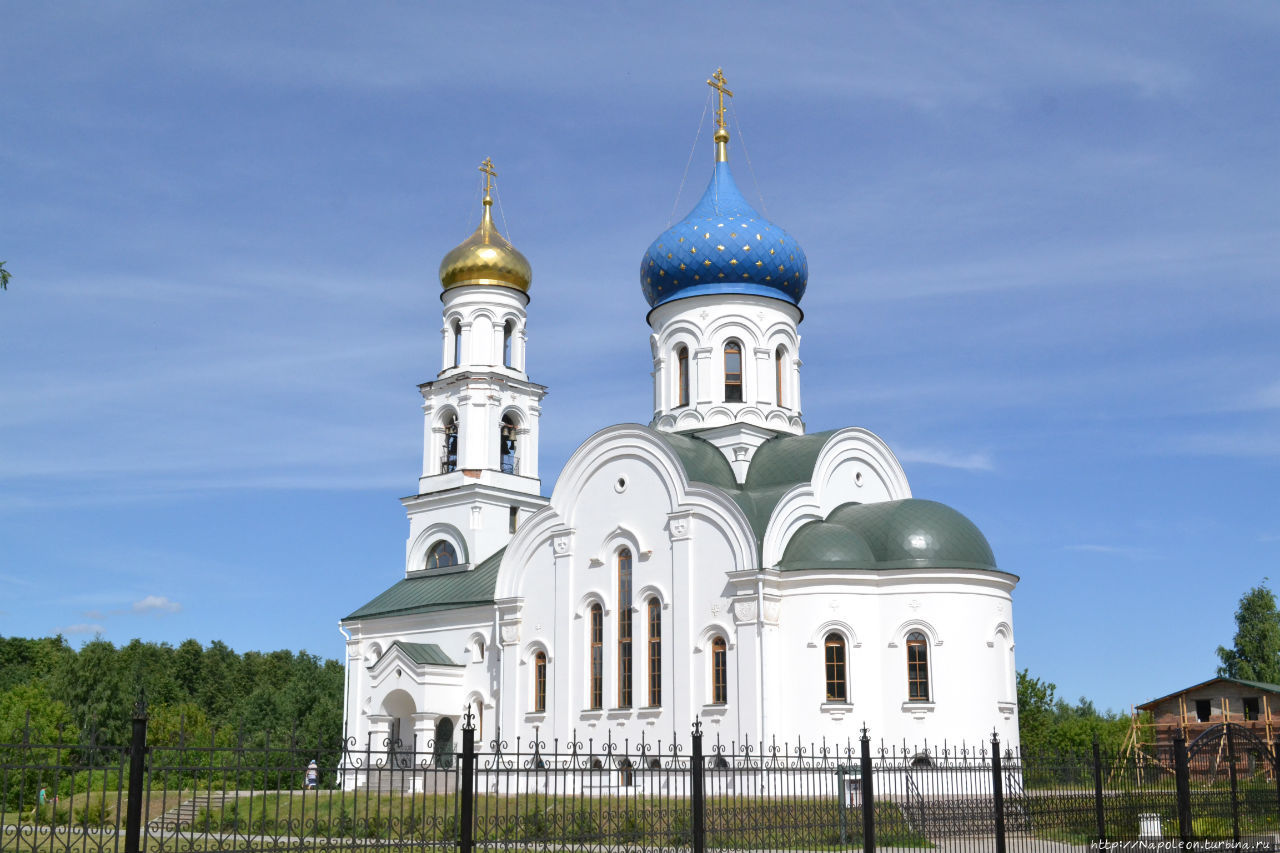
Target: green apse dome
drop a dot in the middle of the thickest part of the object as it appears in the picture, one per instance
(900, 534)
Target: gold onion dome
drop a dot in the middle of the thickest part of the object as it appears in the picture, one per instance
(486, 257)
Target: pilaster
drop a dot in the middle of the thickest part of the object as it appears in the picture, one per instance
(680, 530)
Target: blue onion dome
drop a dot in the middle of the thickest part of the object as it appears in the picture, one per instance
(723, 246)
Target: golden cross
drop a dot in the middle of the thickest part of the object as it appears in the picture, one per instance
(489, 174)
(717, 82)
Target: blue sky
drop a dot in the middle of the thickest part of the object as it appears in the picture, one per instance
(1043, 244)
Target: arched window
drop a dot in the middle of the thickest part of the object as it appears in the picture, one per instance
(441, 555)
(540, 682)
(719, 671)
(508, 331)
(479, 648)
(456, 328)
(682, 376)
(449, 454)
(507, 446)
(625, 659)
(917, 667)
(837, 686)
(655, 652)
(733, 372)
(778, 358)
(595, 688)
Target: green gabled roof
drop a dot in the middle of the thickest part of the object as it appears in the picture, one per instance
(437, 592)
(703, 463)
(786, 460)
(778, 465)
(1257, 685)
(424, 653)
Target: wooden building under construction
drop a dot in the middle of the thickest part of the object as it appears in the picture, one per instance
(1254, 705)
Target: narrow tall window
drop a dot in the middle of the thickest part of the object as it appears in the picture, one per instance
(778, 359)
(513, 518)
(837, 689)
(456, 327)
(682, 376)
(508, 331)
(540, 682)
(917, 667)
(507, 446)
(449, 458)
(595, 688)
(733, 372)
(655, 653)
(624, 628)
(719, 671)
(441, 555)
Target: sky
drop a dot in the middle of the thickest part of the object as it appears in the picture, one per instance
(1043, 244)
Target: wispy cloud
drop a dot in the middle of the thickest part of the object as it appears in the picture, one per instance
(1114, 550)
(80, 628)
(156, 603)
(1264, 398)
(948, 459)
(1263, 443)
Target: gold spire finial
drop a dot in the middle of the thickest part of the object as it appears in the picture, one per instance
(489, 174)
(717, 82)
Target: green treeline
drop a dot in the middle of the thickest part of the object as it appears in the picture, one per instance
(1048, 724)
(192, 691)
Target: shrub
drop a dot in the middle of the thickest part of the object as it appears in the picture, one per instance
(534, 826)
(94, 814)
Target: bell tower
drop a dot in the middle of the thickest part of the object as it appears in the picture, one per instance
(480, 413)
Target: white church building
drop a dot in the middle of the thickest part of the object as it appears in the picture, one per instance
(719, 564)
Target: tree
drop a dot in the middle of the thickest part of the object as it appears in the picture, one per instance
(1255, 655)
(1036, 703)
(4, 277)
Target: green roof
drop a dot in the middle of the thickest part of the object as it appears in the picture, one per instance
(1257, 685)
(893, 534)
(425, 653)
(898, 534)
(778, 465)
(437, 592)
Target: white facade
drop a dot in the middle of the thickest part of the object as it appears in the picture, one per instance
(717, 565)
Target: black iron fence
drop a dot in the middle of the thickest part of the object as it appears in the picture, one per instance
(217, 792)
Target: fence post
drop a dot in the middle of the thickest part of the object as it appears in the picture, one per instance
(137, 776)
(1182, 778)
(1099, 814)
(1235, 798)
(997, 790)
(468, 784)
(868, 796)
(1275, 768)
(696, 791)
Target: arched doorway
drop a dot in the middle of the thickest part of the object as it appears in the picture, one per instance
(442, 753)
(400, 707)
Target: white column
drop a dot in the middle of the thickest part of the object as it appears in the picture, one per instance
(795, 384)
(704, 380)
(763, 381)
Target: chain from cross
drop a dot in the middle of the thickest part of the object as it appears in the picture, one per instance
(489, 174)
(717, 82)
